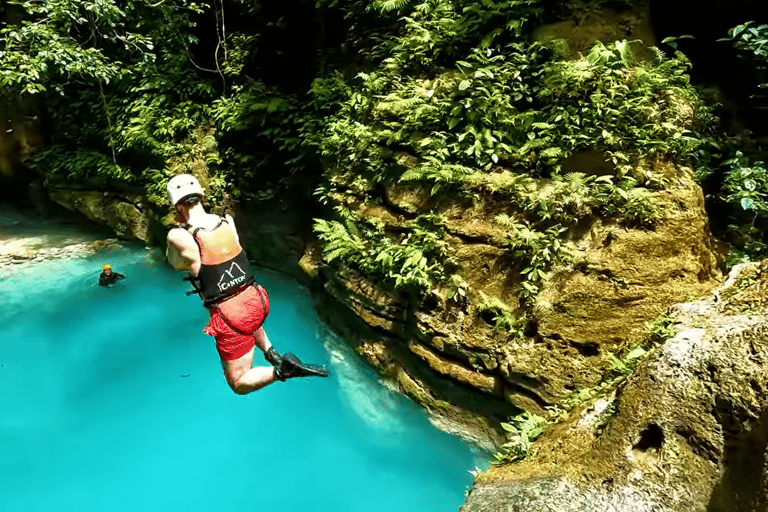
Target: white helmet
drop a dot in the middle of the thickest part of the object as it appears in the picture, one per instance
(183, 187)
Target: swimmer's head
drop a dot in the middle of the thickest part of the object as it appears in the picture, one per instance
(184, 188)
(106, 268)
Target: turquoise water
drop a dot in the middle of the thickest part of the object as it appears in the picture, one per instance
(113, 399)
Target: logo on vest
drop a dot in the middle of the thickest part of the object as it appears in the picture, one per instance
(231, 277)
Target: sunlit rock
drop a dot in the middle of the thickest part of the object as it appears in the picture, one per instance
(126, 214)
(687, 431)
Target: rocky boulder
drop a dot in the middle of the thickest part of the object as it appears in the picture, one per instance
(686, 432)
(127, 214)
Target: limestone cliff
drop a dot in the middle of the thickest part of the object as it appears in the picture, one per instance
(127, 214)
(685, 433)
(447, 354)
(21, 127)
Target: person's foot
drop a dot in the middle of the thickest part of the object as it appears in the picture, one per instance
(291, 366)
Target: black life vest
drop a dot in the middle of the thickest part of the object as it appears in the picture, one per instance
(223, 263)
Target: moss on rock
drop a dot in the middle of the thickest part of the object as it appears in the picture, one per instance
(590, 308)
(688, 429)
(126, 214)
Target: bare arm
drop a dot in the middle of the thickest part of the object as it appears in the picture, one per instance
(182, 252)
(231, 222)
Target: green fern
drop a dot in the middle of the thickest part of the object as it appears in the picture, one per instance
(627, 363)
(522, 430)
(506, 221)
(501, 315)
(338, 242)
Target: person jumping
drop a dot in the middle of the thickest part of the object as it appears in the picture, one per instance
(208, 246)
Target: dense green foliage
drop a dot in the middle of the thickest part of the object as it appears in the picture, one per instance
(446, 107)
(450, 96)
(114, 92)
(411, 262)
(135, 97)
(752, 41)
(522, 430)
(745, 178)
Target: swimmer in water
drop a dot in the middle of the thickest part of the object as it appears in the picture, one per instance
(108, 277)
(208, 246)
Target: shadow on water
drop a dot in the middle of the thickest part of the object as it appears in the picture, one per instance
(743, 486)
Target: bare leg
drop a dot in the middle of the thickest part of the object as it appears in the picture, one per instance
(243, 378)
(261, 339)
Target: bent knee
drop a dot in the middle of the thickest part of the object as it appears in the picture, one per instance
(237, 388)
(240, 390)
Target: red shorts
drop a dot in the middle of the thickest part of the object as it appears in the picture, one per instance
(233, 322)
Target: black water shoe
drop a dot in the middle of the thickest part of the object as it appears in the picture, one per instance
(273, 357)
(291, 366)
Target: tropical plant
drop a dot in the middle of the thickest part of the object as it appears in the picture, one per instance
(457, 289)
(746, 183)
(414, 262)
(660, 328)
(522, 430)
(752, 41)
(535, 250)
(500, 315)
(623, 366)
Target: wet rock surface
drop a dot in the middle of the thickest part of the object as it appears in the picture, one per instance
(688, 431)
(26, 237)
(20, 251)
(452, 405)
(126, 214)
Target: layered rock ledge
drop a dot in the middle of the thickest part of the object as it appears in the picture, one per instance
(450, 357)
(687, 432)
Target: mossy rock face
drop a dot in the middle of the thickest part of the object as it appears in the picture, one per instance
(126, 214)
(21, 135)
(689, 428)
(623, 278)
(589, 309)
(367, 316)
(589, 22)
